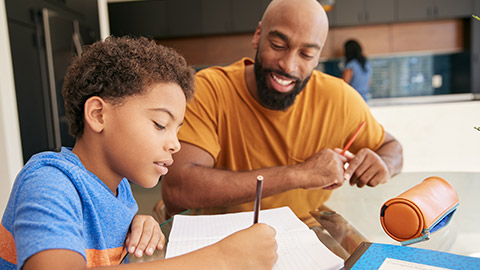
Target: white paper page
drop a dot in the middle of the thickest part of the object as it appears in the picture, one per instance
(297, 245)
(394, 264)
(207, 226)
(303, 250)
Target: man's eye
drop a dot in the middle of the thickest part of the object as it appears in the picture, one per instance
(307, 56)
(158, 126)
(277, 46)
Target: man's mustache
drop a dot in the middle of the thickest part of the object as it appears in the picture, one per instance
(281, 73)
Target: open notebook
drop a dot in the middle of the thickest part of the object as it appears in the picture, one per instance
(298, 246)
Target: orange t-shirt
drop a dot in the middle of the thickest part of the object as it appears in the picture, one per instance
(227, 122)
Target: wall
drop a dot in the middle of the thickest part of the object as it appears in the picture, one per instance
(11, 159)
(435, 137)
(385, 39)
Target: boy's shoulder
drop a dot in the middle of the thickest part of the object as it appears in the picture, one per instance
(62, 170)
(64, 161)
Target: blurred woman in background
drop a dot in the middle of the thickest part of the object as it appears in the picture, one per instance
(357, 71)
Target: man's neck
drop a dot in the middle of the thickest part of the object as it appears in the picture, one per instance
(250, 81)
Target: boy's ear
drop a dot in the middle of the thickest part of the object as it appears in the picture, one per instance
(94, 113)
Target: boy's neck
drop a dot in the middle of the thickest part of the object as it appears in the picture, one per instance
(94, 160)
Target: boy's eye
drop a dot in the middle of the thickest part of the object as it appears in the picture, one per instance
(158, 126)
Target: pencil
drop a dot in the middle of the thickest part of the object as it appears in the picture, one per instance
(349, 143)
(258, 198)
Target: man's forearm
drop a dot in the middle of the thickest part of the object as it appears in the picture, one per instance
(392, 154)
(197, 186)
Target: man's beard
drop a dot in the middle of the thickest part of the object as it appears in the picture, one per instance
(270, 98)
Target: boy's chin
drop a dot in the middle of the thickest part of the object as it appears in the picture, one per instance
(147, 184)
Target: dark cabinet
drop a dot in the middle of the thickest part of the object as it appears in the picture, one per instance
(184, 18)
(33, 103)
(216, 18)
(44, 36)
(150, 16)
(246, 14)
(181, 18)
(475, 50)
(355, 12)
(417, 10)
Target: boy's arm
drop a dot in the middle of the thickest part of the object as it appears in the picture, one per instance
(251, 248)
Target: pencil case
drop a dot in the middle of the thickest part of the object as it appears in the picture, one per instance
(420, 211)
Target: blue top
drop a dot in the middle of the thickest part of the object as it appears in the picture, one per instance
(58, 204)
(361, 78)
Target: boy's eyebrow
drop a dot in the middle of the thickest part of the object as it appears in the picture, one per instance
(275, 33)
(163, 110)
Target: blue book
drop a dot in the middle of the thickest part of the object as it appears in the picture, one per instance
(373, 255)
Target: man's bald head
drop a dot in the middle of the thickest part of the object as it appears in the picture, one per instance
(305, 15)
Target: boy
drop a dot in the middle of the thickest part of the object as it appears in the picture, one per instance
(125, 100)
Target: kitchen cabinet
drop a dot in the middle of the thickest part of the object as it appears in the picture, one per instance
(181, 18)
(44, 36)
(355, 12)
(216, 17)
(418, 10)
(475, 50)
(32, 101)
(152, 18)
(246, 14)
(184, 18)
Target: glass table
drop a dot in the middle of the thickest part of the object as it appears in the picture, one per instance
(352, 216)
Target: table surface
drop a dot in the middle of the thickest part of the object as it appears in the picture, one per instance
(361, 208)
(352, 215)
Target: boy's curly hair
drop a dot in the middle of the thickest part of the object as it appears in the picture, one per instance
(117, 68)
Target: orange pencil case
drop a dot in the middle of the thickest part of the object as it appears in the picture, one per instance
(420, 211)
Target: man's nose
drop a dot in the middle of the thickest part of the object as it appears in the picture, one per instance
(289, 63)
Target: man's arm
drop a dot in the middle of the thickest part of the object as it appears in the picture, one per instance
(192, 182)
(372, 168)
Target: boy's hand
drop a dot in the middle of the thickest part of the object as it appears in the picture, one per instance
(251, 248)
(144, 236)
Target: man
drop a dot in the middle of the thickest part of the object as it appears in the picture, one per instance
(278, 118)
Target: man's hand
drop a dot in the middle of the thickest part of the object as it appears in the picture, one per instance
(365, 168)
(144, 236)
(322, 170)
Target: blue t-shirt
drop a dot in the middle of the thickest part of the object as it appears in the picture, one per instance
(56, 203)
(361, 78)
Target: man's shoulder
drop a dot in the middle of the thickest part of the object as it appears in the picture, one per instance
(218, 71)
(319, 77)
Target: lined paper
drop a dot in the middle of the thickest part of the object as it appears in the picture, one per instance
(298, 246)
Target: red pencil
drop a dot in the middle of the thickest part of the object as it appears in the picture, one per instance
(349, 143)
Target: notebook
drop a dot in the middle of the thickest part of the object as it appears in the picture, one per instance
(298, 246)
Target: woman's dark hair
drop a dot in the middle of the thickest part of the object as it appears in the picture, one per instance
(353, 50)
(117, 68)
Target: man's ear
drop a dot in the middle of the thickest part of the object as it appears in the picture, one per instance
(256, 36)
(94, 113)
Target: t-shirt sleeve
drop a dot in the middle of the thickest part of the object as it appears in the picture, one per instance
(201, 117)
(48, 215)
(349, 65)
